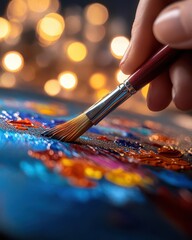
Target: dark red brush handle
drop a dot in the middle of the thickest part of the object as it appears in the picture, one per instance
(154, 66)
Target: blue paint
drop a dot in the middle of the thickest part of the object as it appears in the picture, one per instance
(174, 178)
(126, 143)
(95, 130)
(27, 168)
(121, 195)
(142, 131)
(131, 136)
(86, 138)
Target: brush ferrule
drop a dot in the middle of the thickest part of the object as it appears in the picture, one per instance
(107, 104)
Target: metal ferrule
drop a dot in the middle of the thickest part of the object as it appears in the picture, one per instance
(110, 102)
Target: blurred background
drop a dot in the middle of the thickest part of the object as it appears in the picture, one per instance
(68, 49)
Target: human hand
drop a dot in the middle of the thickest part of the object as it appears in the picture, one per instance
(173, 26)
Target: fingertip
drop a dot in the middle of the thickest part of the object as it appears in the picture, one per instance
(183, 106)
(173, 26)
(180, 74)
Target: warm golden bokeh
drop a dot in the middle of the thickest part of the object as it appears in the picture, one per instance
(4, 28)
(94, 33)
(101, 93)
(96, 14)
(7, 80)
(68, 80)
(73, 23)
(54, 6)
(38, 5)
(98, 80)
(50, 28)
(17, 10)
(120, 76)
(118, 46)
(15, 30)
(13, 61)
(28, 73)
(77, 51)
(52, 87)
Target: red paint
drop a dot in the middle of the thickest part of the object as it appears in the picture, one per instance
(166, 158)
(24, 124)
(159, 138)
(169, 152)
(103, 138)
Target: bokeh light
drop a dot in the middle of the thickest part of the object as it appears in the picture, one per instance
(80, 39)
(38, 5)
(13, 61)
(118, 46)
(15, 30)
(7, 80)
(144, 90)
(94, 33)
(52, 87)
(101, 93)
(50, 28)
(77, 51)
(68, 80)
(120, 76)
(14, 36)
(17, 10)
(4, 28)
(54, 6)
(73, 23)
(96, 14)
(28, 73)
(97, 80)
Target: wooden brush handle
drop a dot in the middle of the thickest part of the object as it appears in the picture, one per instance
(154, 66)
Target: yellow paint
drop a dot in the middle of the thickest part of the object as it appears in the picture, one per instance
(66, 162)
(123, 178)
(92, 173)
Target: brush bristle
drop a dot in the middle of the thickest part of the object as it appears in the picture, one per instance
(70, 130)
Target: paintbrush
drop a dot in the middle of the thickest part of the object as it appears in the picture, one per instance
(74, 128)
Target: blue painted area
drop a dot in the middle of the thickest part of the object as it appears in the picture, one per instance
(86, 138)
(131, 136)
(174, 178)
(120, 195)
(95, 130)
(126, 143)
(142, 131)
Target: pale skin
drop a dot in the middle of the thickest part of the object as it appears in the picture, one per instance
(165, 22)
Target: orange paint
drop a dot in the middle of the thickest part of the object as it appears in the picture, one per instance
(24, 124)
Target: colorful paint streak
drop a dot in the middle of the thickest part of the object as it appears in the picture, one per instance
(85, 173)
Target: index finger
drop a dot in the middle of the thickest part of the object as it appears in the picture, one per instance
(143, 42)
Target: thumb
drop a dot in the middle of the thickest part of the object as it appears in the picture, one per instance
(174, 25)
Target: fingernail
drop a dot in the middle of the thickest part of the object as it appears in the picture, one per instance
(168, 27)
(125, 54)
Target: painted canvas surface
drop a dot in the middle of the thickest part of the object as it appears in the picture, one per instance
(127, 178)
